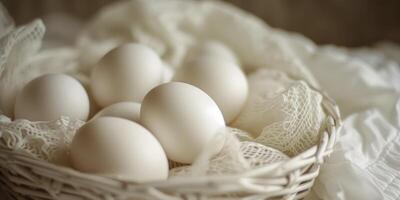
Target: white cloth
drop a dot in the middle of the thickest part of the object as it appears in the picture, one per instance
(366, 161)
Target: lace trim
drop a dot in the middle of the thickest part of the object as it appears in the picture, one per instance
(43, 140)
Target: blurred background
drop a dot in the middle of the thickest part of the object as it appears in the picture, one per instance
(340, 22)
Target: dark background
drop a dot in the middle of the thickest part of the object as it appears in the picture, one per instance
(341, 22)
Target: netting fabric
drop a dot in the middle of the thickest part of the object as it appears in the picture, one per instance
(235, 157)
(17, 46)
(48, 141)
(281, 113)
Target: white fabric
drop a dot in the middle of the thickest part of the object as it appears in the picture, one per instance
(6, 22)
(236, 156)
(366, 160)
(281, 113)
(45, 140)
(17, 46)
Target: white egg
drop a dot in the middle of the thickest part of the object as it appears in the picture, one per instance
(211, 50)
(118, 148)
(223, 81)
(183, 118)
(126, 110)
(51, 96)
(85, 81)
(126, 73)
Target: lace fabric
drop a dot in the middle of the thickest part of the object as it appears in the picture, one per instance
(235, 157)
(17, 46)
(281, 113)
(48, 141)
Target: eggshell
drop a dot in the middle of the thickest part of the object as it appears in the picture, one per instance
(183, 118)
(51, 96)
(85, 81)
(223, 81)
(211, 50)
(126, 73)
(126, 110)
(118, 148)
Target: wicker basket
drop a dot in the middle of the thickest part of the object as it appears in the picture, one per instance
(24, 177)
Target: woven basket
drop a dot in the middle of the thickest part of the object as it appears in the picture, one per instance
(24, 177)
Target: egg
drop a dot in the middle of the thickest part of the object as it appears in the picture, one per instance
(126, 73)
(118, 148)
(51, 96)
(223, 81)
(211, 50)
(183, 118)
(85, 81)
(126, 110)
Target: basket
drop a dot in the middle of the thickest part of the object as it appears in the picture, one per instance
(24, 177)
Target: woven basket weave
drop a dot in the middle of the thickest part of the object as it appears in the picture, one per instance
(24, 177)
